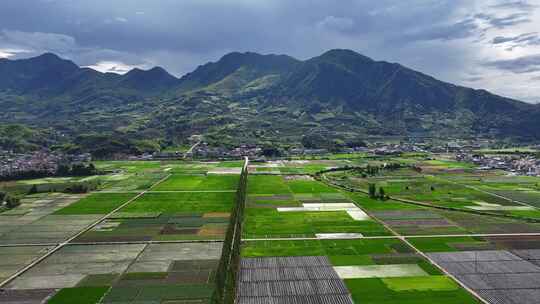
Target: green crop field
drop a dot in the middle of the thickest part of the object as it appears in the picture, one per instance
(165, 246)
(172, 203)
(96, 203)
(267, 184)
(79, 295)
(307, 186)
(322, 247)
(178, 182)
(420, 291)
(449, 244)
(265, 222)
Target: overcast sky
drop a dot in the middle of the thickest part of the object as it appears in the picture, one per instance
(489, 44)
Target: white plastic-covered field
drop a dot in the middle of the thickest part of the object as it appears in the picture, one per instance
(380, 271)
(482, 206)
(351, 209)
(324, 236)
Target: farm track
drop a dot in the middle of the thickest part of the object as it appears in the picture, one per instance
(190, 151)
(398, 236)
(173, 191)
(428, 258)
(76, 235)
(330, 183)
(418, 251)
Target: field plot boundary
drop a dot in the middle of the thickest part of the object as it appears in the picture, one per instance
(499, 275)
(490, 193)
(399, 236)
(321, 177)
(173, 191)
(69, 240)
(433, 262)
(229, 265)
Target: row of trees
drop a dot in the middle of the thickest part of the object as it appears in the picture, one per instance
(79, 187)
(29, 174)
(62, 170)
(373, 194)
(76, 170)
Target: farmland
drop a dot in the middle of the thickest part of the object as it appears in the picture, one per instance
(151, 232)
(158, 232)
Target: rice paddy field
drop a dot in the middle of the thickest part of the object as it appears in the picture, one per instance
(153, 232)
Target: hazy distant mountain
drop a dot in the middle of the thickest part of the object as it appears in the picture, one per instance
(339, 96)
(50, 75)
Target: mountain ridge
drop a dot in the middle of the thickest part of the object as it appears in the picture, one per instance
(248, 97)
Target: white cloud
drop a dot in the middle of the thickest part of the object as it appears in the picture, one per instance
(121, 19)
(18, 44)
(7, 53)
(113, 67)
(336, 23)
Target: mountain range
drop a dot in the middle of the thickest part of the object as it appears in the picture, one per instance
(333, 99)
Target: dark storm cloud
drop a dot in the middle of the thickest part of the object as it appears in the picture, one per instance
(438, 37)
(524, 64)
(183, 34)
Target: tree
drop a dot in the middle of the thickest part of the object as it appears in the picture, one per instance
(33, 189)
(77, 188)
(372, 170)
(91, 168)
(382, 194)
(356, 142)
(82, 170)
(271, 152)
(63, 170)
(12, 202)
(78, 170)
(372, 191)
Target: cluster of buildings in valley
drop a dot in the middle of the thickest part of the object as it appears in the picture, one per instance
(47, 161)
(40, 161)
(203, 150)
(514, 163)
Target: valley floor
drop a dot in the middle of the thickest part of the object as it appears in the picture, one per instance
(154, 232)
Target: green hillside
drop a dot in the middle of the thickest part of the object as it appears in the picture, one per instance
(339, 96)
